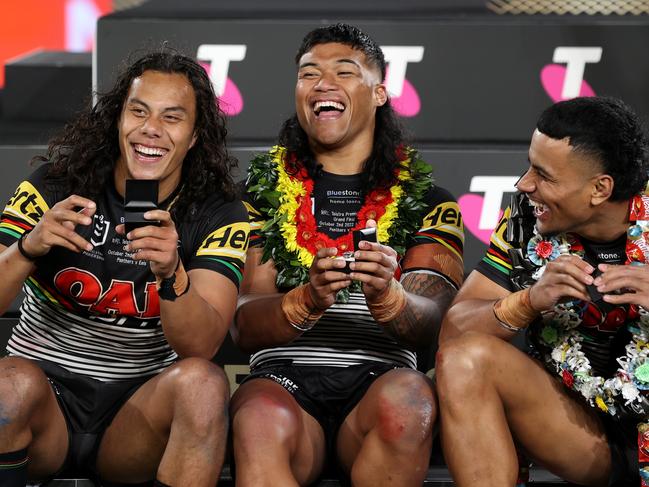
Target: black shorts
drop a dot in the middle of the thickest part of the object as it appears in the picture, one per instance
(89, 406)
(622, 437)
(326, 393)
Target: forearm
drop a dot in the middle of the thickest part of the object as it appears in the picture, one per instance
(260, 322)
(192, 326)
(427, 299)
(14, 269)
(472, 315)
(504, 317)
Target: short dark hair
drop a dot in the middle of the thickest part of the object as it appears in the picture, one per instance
(350, 36)
(84, 155)
(607, 130)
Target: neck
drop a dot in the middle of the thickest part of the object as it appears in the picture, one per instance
(342, 160)
(611, 223)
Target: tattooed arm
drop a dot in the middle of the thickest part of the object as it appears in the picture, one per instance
(428, 295)
(428, 298)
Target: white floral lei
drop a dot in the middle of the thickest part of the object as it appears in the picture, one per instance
(559, 330)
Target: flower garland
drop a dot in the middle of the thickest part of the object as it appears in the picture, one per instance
(292, 237)
(559, 327)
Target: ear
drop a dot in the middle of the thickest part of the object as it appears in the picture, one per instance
(602, 189)
(380, 95)
(194, 139)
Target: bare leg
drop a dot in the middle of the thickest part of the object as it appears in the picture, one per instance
(387, 437)
(173, 428)
(491, 393)
(30, 417)
(275, 441)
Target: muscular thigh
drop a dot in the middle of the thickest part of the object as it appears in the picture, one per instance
(267, 419)
(137, 438)
(554, 425)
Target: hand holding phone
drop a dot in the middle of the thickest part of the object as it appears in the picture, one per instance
(368, 234)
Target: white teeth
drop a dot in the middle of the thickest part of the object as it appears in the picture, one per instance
(150, 151)
(319, 105)
(539, 208)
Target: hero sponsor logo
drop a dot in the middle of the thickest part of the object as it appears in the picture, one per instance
(405, 99)
(566, 82)
(85, 289)
(444, 214)
(216, 59)
(27, 203)
(482, 213)
(229, 241)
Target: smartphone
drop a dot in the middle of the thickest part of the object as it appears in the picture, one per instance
(367, 234)
(141, 195)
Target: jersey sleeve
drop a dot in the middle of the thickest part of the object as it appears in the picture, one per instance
(25, 207)
(438, 245)
(496, 265)
(221, 241)
(257, 220)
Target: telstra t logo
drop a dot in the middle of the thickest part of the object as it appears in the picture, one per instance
(216, 60)
(404, 97)
(565, 82)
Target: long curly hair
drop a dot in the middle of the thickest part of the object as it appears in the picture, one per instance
(83, 156)
(607, 130)
(389, 135)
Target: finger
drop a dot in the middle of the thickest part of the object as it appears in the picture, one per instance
(626, 298)
(332, 287)
(64, 216)
(162, 216)
(621, 282)
(326, 278)
(574, 261)
(364, 245)
(154, 256)
(370, 223)
(569, 268)
(326, 252)
(153, 231)
(325, 264)
(77, 245)
(157, 244)
(372, 268)
(76, 201)
(120, 229)
(370, 280)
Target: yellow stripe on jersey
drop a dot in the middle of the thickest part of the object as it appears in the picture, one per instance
(26, 204)
(229, 241)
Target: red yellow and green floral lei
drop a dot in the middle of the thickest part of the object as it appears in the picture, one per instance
(291, 235)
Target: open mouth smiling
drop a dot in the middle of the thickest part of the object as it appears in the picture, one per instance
(149, 153)
(328, 109)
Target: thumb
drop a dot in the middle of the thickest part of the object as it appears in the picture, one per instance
(370, 224)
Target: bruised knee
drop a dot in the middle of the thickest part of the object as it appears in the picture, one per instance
(262, 418)
(406, 409)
